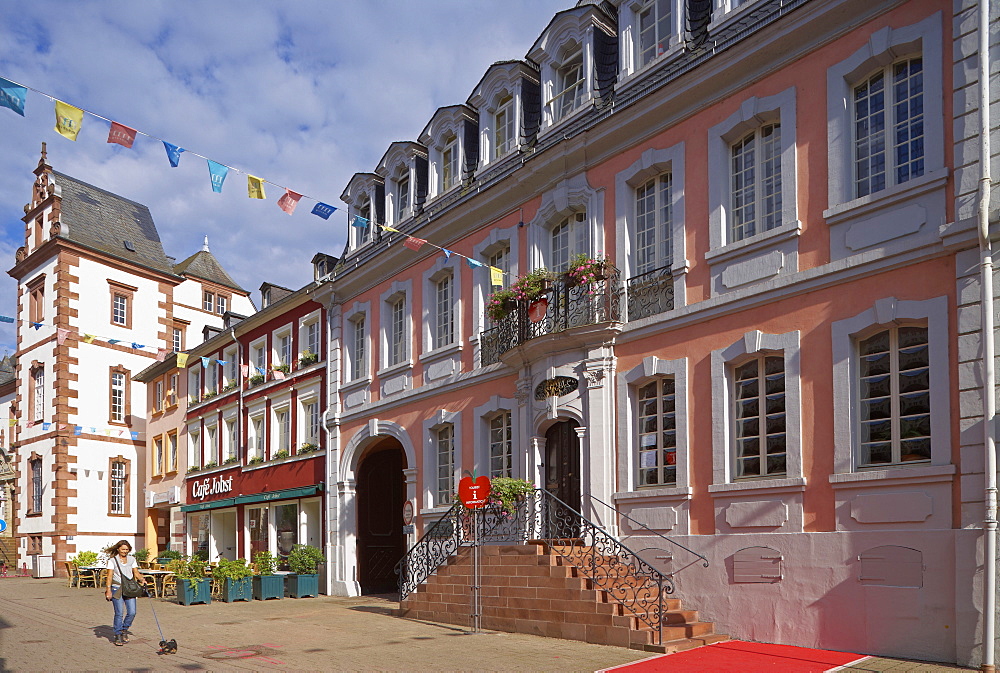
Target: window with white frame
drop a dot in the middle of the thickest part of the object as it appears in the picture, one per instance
(653, 224)
(284, 348)
(568, 238)
(499, 257)
(119, 309)
(118, 487)
(655, 29)
(570, 88)
(213, 380)
(501, 445)
(359, 349)
(444, 311)
(194, 384)
(178, 339)
(212, 443)
(118, 385)
(759, 417)
(889, 127)
(402, 197)
(258, 355)
(38, 394)
(656, 421)
(282, 427)
(363, 234)
(310, 422)
(208, 301)
(257, 441)
(221, 304)
(172, 392)
(397, 330)
(504, 129)
(231, 370)
(312, 338)
(158, 456)
(894, 397)
(444, 445)
(449, 164)
(232, 439)
(755, 173)
(194, 448)
(36, 485)
(172, 452)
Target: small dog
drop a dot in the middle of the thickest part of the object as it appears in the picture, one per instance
(168, 646)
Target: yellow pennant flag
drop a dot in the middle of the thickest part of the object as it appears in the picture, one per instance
(386, 227)
(68, 119)
(13, 422)
(88, 338)
(255, 187)
(182, 360)
(496, 277)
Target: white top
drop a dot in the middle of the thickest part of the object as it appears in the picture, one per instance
(127, 566)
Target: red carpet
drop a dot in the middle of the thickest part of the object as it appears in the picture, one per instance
(738, 656)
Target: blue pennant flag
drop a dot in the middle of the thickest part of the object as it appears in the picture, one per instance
(77, 430)
(114, 341)
(12, 96)
(173, 153)
(447, 253)
(4, 318)
(218, 173)
(323, 210)
(473, 264)
(359, 222)
(260, 370)
(36, 325)
(137, 346)
(46, 426)
(135, 435)
(223, 362)
(204, 363)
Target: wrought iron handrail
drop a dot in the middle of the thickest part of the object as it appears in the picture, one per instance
(650, 293)
(610, 565)
(622, 514)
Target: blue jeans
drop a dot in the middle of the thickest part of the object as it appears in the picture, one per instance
(124, 611)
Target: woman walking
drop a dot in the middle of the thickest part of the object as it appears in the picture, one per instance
(119, 564)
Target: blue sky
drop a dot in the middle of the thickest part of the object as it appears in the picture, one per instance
(304, 93)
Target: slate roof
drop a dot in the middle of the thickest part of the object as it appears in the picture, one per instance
(205, 266)
(8, 365)
(102, 221)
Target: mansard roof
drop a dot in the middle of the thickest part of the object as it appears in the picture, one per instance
(572, 20)
(205, 266)
(108, 223)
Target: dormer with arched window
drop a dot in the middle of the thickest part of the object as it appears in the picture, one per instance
(365, 199)
(404, 169)
(649, 32)
(508, 98)
(578, 57)
(451, 138)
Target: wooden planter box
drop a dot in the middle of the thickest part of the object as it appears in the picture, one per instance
(190, 592)
(237, 590)
(268, 586)
(302, 586)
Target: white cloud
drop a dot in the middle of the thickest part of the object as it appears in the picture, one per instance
(302, 93)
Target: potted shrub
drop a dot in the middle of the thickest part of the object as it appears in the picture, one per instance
(501, 303)
(283, 368)
(235, 577)
(168, 555)
(533, 284)
(583, 270)
(508, 492)
(308, 358)
(193, 586)
(308, 447)
(280, 454)
(265, 583)
(256, 379)
(304, 580)
(256, 460)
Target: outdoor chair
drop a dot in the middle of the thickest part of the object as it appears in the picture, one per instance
(72, 574)
(86, 578)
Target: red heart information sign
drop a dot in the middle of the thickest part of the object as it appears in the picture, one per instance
(473, 493)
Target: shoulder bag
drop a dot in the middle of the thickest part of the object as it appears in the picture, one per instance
(129, 588)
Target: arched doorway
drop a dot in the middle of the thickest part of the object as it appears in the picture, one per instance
(562, 462)
(380, 492)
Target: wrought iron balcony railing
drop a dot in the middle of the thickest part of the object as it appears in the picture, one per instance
(564, 306)
(650, 293)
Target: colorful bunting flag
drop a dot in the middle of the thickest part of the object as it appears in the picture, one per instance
(121, 134)
(288, 201)
(114, 341)
(77, 430)
(12, 96)
(62, 426)
(386, 227)
(218, 173)
(413, 243)
(496, 277)
(223, 362)
(255, 187)
(204, 363)
(135, 435)
(473, 263)
(46, 426)
(244, 370)
(182, 360)
(136, 346)
(4, 318)
(68, 120)
(324, 210)
(161, 354)
(88, 338)
(359, 222)
(278, 374)
(61, 335)
(36, 325)
(447, 253)
(173, 153)
(13, 422)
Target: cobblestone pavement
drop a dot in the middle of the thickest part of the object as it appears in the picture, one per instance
(46, 626)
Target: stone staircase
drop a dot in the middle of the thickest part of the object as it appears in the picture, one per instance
(532, 588)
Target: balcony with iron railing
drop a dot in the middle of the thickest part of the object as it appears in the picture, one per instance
(650, 293)
(565, 305)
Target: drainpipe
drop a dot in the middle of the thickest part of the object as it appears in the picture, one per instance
(989, 373)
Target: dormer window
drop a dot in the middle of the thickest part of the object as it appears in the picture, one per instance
(569, 84)
(402, 198)
(363, 234)
(655, 29)
(504, 136)
(449, 164)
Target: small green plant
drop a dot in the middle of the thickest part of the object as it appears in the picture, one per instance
(280, 454)
(256, 379)
(200, 555)
(209, 395)
(507, 491)
(230, 460)
(232, 570)
(265, 562)
(209, 465)
(256, 460)
(284, 368)
(177, 565)
(171, 554)
(232, 385)
(308, 447)
(500, 304)
(193, 468)
(193, 399)
(304, 558)
(308, 358)
(142, 554)
(84, 558)
(533, 284)
(192, 569)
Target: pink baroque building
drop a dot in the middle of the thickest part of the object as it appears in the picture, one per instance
(779, 366)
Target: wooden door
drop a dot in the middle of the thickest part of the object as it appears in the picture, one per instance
(562, 476)
(381, 543)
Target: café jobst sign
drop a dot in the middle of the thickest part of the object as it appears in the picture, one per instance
(210, 487)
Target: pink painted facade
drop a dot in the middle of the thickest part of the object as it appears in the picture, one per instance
(778, 372)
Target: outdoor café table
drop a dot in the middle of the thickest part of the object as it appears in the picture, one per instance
(94, 571)
(158, 576)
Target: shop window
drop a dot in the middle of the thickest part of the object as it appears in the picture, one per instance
(286, 526)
